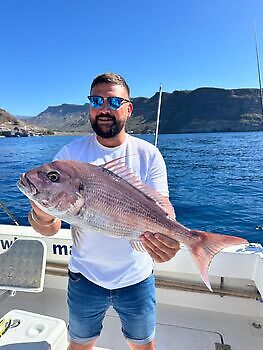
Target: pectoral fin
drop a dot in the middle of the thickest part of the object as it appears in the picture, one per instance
(76, 233)
(137, 245)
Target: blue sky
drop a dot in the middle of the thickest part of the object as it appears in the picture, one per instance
(52, 49)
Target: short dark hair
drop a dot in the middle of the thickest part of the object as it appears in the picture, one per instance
(110, 78)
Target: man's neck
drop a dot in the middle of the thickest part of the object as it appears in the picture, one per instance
(112, 142)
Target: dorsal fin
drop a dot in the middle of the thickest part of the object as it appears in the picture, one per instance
(119, 168)
(116, 160)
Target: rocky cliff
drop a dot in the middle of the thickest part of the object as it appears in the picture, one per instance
(200, 110)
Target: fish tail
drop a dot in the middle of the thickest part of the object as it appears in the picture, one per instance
(205, 246)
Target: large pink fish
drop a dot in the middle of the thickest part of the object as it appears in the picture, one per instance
(113, 201)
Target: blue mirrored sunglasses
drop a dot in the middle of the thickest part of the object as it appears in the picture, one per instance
(113, 102)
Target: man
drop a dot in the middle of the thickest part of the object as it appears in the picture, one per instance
(106, 271)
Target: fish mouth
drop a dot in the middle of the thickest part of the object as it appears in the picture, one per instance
(25, 185)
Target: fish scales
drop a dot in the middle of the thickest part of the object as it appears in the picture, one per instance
(116, 204)
(119, 199)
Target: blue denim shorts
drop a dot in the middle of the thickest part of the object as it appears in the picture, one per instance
(88, 303)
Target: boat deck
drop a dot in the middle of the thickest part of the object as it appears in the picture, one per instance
(188, 315)
(177, 327)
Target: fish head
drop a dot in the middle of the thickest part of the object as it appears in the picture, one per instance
(55, 187)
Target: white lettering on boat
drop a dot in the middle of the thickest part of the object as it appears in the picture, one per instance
(6, 244)
(56, 249)
(59, 249)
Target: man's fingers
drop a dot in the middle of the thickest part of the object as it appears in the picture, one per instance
(40, 213)
(154, 252)
(163, 242)
(167, 242)
(160, 247)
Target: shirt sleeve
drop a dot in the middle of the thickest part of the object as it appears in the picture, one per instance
(157, 174)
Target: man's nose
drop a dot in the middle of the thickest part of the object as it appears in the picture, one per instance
(105, 107)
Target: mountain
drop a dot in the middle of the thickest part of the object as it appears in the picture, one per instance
(6, 117)
(64, 118)
(11, 126)
(212, 109)
(199, 110)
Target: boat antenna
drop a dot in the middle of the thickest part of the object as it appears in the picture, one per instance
(8, 213)
(158, 116)
(258, 67)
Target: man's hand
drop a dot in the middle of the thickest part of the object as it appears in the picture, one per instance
(43, 223)
(160, 247)
(40, 214)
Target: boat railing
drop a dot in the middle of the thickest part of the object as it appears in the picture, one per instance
(61, 270)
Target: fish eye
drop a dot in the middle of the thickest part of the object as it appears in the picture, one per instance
(53, 176)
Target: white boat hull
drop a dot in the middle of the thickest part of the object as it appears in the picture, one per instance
(189, 316)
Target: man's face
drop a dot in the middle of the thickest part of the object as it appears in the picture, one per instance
(106, 122)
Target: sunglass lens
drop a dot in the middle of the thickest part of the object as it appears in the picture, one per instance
(114, 102)
(96, 101)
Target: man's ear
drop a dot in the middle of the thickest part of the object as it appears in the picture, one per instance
(130, 109)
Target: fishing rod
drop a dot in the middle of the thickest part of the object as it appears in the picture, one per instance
(158, 116)
(258, 227)
(258, 68)
(8, 213)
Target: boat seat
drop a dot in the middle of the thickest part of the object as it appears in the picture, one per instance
(22, 266)
(43, 345)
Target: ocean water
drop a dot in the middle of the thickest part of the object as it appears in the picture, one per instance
(215, 179)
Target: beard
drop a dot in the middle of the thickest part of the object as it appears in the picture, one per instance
(104, 130)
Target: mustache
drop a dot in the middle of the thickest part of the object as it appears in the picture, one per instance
(105, 115)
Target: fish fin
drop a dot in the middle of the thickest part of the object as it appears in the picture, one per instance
(77, 204)
(115, 161)
(76, 234)
(120, 169)
(137, 245)
(205, 246)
